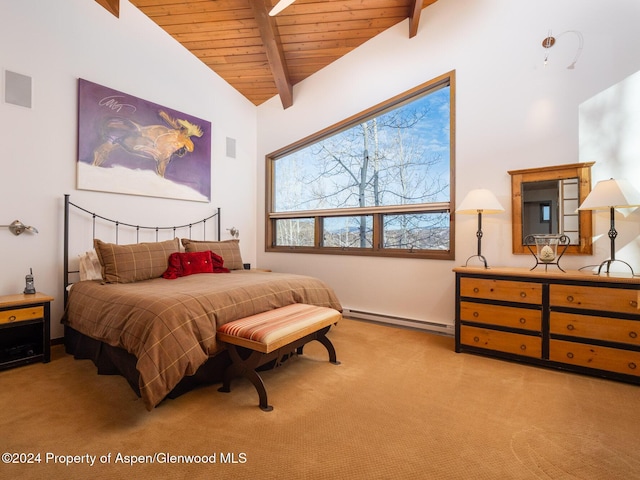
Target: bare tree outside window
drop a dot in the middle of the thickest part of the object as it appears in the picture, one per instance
(393, 166)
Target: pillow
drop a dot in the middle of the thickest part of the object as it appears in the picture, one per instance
(229, 250)
(90, 268)
(135, 262)
(183, 264)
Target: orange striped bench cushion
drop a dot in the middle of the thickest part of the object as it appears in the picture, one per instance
(268, 331)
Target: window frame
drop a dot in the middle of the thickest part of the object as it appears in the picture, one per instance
(271, 217)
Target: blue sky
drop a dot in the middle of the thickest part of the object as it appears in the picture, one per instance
(309, 174)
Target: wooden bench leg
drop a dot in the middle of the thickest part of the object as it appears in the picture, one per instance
(246, 368)
(321, 336)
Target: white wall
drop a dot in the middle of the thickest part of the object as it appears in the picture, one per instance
(610, 136)
(58, 41)
(511, 113)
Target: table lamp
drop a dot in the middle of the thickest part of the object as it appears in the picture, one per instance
(479, 201)
(609, 195)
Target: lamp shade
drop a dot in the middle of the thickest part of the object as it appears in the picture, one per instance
(480, 200)
(611, 194)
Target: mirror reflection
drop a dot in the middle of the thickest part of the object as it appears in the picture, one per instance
(544, 200)
(549, 207)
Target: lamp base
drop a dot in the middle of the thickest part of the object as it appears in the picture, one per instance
(481, 257)
(608, 264)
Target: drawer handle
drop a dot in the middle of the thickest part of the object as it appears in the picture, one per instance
(523, 347)
(569, 298)
(12, 318)
(476, 314)
(633, 303)
(569, 355)
(523, 320)
(633, 334)
(523, 294)
(632, 365)
(476, 339)
(570, 327)
(476, 289)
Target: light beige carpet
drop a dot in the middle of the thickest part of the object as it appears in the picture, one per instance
(402, 405)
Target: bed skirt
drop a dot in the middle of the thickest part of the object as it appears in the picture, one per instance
(111, 360)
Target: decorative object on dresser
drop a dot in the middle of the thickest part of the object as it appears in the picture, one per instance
(17, 227)
(24, 329)
(571, 321)
(479, 201)
(609, 195)
(546, 252)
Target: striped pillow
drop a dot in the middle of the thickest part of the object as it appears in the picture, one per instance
(229, 250)
(134, 262)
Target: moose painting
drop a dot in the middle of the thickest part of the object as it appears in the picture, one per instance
(133, 146)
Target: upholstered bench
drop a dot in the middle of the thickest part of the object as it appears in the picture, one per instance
(256, 340)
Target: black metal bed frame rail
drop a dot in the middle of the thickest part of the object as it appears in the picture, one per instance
(68, 204)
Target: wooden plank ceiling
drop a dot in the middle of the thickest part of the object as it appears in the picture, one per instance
(262, 56)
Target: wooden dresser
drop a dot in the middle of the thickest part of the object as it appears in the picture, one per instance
(575, 321)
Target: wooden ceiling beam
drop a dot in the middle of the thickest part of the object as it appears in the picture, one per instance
(275, 55)
(238, 40)
(414, 17)
(112, 5)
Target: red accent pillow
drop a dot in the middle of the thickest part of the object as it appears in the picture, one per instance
(218, 263)
(183, 264)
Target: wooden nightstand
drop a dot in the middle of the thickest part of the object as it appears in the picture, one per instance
(24, 329)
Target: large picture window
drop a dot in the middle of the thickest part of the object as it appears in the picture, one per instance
(379, 183)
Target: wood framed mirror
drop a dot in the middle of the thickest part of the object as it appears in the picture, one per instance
(544, 200)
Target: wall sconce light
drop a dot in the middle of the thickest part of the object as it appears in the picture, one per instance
(234, 232)
(17, 227)
(478, 202)
(609, 195)
(550, 41)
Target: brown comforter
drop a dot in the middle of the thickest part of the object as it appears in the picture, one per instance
(170, 325)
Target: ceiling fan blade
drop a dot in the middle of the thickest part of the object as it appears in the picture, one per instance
(281, 5)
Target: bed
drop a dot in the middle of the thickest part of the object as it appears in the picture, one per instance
(160, 332)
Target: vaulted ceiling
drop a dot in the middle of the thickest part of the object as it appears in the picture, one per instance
(262, 56)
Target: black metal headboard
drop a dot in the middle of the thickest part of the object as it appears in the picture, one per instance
(117, 225)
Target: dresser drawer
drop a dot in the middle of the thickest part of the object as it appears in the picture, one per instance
(526, 345)
(514, 317)
(592, 356)
(620, 300)
(505, 290)
(21, 314)
(598, 328)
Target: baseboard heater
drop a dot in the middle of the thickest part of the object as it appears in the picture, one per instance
(441, 328)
